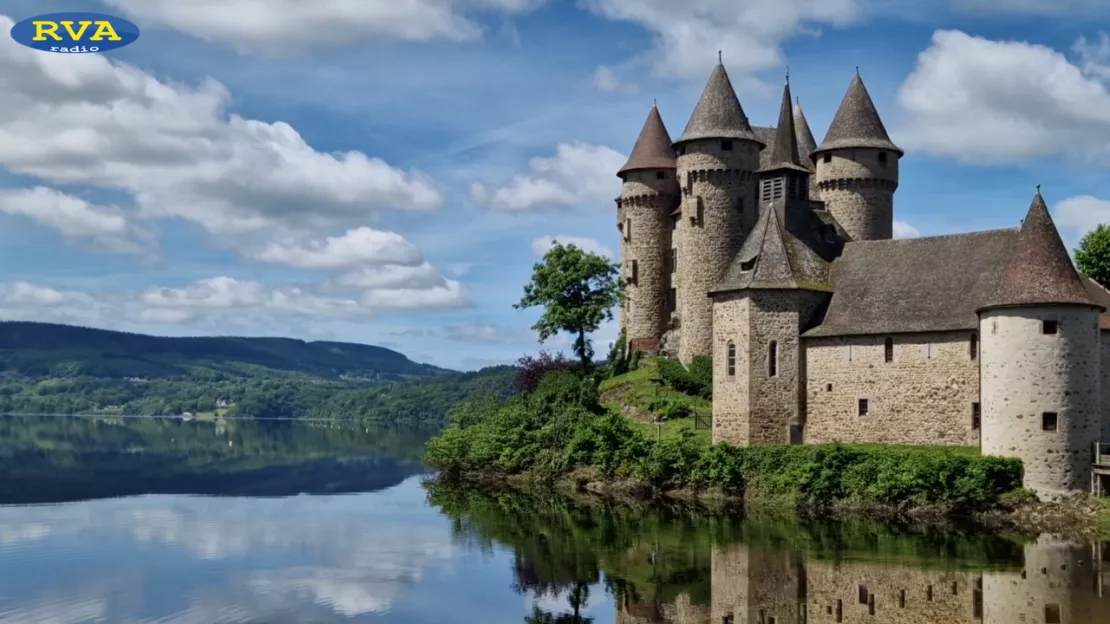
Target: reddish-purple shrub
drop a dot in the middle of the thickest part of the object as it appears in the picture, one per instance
(534, 368)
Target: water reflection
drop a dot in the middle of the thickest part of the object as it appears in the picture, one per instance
(164, 521)
(680, 568)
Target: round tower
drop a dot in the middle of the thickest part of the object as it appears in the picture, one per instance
(857, 168)
(1040, 364)
(648, 195)
(718, 155)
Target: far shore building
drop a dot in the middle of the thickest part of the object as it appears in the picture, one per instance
(775, 255)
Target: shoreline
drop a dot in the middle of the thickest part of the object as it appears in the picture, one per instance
(1082, 517)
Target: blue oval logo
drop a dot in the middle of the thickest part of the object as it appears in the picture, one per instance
(80, 33)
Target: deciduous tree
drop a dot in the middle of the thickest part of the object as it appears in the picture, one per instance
(1093, 255)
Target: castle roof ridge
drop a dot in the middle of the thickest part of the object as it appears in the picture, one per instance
(653, 148)
(889, 241)
(806, 143)
(718, 114)
(857, 123)
(1040, 270)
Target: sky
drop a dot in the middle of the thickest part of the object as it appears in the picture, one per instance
(387, 172)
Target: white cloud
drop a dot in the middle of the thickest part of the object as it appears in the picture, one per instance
(543, 244)
(903, 229)
(983, 101)
(1034, 7)
(1094, 56)
(688, 34)
(1075, 216)
(226, 299)
(179, 152)
(579, 173)
(606, 80)
(357, 247)
(106, 227)
(487, 333)
(280, 27)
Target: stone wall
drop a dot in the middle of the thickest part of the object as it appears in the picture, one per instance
(1028, 374)
(858, 190)
(924, 396)
(1104, 364)
(681, 611)
(645, 204)
(1057, 584)
(753, 406)
(722, 183)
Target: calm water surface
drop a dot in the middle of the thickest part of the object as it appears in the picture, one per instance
(164, 521)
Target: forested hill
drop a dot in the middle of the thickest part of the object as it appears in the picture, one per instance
(51, 350)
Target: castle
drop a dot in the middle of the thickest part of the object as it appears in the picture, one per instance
(775, 256)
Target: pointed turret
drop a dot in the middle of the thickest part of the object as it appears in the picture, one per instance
(784, 149)
(806, 143)
(1040, 271)
(653, 149)
(857, 123)
(718, 114)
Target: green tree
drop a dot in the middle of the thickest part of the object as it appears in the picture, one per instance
(1093, 255)
(577, 290)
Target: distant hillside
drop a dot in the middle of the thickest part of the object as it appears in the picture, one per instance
(51, 350)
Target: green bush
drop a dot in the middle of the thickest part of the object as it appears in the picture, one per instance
(618, 361)
(674, 375)
(561, 426)
(670, 408)
(701, 369)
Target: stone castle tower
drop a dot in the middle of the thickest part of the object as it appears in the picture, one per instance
(857, 168)
(718, 155)
(1041, 370)
(686, 209)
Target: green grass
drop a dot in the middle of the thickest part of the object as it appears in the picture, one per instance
(632, 393)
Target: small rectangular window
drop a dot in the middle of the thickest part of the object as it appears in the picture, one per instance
(882, 158)
(976, 415)
(1048, 421)
(863, 407)
(674, 259)
(727, 619)
(672, 300)
(635, 272)
(1049, 327)
(660, 175)
(731, 359)
(863, 594)
(828, 157)
(955, 588)
(726, 145)
(628, 230)
(828, 387)
(973, 347)
(902, 599)
(1052, 614)
(929, 593)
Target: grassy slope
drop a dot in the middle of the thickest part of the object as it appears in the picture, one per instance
(634, 391)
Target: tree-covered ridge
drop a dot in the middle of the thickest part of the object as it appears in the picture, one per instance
(48, 349)
(61, 459)
(422, 403)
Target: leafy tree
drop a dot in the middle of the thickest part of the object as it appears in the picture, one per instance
(1093, 255)
(577, 290)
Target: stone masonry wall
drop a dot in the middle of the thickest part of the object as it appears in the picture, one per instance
(722, 181)
(1104, 364)
(858, 190)
(752, 406)
(924, 396)
(646, 201)
(1027, 374)
(731, 405)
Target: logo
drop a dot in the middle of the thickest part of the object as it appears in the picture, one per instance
(75, 32)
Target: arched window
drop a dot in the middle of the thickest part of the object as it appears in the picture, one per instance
(888, 350)
(773, 359)
(731, 359)
(974, 346)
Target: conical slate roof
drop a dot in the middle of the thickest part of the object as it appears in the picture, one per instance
(653, 149)
(806, 143)
(773, 258)
(784, 148)
(1039, 271)
(857, 123)
(718, 114)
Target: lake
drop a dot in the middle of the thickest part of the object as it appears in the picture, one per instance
(153, 520)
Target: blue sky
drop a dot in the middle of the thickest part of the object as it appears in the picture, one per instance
(386, 172)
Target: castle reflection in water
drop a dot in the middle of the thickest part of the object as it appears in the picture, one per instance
(1060, 583)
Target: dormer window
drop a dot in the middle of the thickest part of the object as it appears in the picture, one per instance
(747, 265)
(726, 145)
